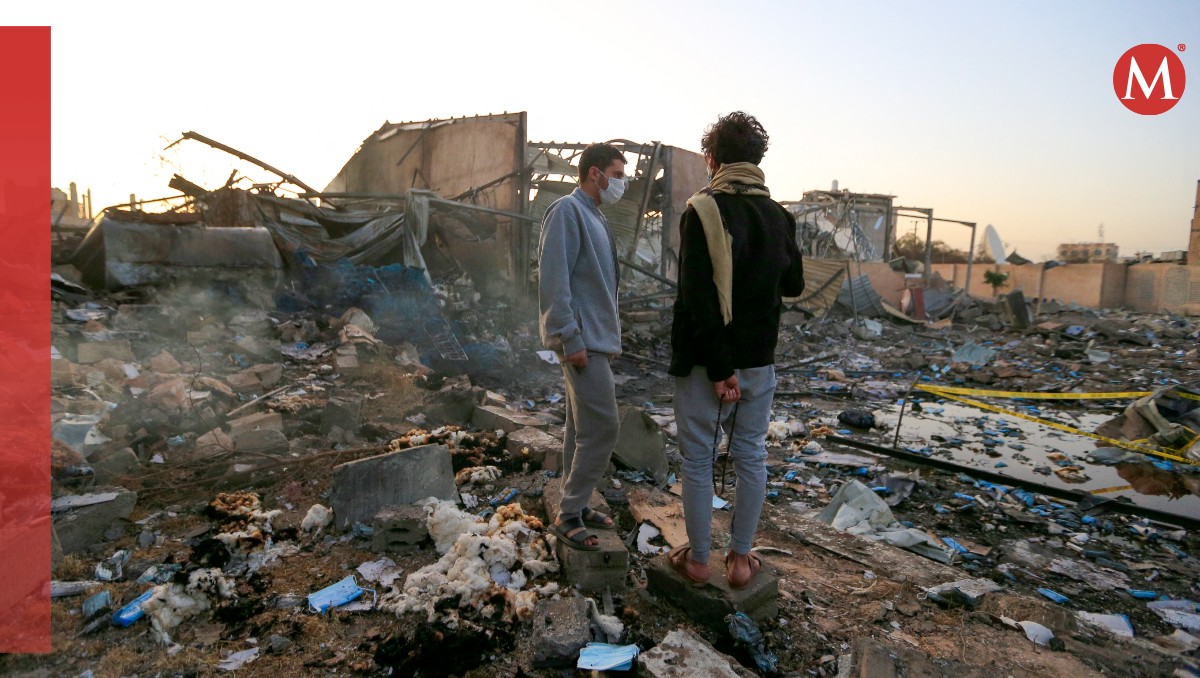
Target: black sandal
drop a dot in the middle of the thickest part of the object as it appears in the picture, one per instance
(574, 534)
(595, 519)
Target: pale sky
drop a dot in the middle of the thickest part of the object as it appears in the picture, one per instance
(999, 113)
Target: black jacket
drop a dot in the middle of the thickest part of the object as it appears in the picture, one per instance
(766, 266)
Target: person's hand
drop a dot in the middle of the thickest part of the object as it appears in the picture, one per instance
(728, 391)
(578, 359)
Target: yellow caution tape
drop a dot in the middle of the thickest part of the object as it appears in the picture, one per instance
(945, 392)
(1025, 395)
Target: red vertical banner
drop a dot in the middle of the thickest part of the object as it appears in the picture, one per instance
(25, 339)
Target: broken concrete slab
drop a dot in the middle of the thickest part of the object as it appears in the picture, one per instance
(115, 465)
(344, 412)
(399, 529)
(261, 440)
(560, 630)
(492, 418)
(213, 442)
(268, 374)
(94, 351)
(245, 382)
(710, 604)
(683, 654)
(251, 422)
(536, 445)
(641, 445)
(83, 520)
(361, 488)
(967, 592)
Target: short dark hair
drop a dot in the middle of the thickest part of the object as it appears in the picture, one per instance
(736, 137)
(598, 155)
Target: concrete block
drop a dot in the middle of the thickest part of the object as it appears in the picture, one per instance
(491, 418)
(244, 382)
(258, 420)
(640, 444)
(153, 318)
(62, 372)
(213, 442)
(871, 658)
(596, 571)
(268, 374)
(362, 487)
(344, 412)
(683, 654)
(709, 605)
(968, 592)
(399, 528)
(263, 440)
(346, 364)
(95, 351)
(453, 403)
(115, 465)
(80, 524)
(165, 363)
(541, 447)
(560, 630)
(552, 496)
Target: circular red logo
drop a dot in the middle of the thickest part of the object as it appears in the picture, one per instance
(1149, 79)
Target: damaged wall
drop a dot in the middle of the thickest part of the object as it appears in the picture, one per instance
(477, 160)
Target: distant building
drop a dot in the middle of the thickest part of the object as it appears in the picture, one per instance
(1087, 252)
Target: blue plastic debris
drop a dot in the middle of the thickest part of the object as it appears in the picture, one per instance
(1088, 520)
(938, 508)
(606, 657)
(965, 497)
(1054, 596)
(1142, 595)
(719, 503)
(1000, 464)
(772, 494)
(747, 634)
(952, 543)
(790, 475)
(1164, 465)
(132, 612)
(1178, 552)
(334, 595)
(506, 495)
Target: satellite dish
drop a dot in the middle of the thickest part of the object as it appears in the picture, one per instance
(996, 244)
(879, 222)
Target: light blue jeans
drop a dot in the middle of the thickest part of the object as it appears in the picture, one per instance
(696, 416)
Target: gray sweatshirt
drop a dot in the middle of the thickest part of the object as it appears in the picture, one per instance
(577, 290)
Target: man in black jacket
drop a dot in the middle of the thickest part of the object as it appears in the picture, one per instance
(738, 258)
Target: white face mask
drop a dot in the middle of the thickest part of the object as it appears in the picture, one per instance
(612, 194)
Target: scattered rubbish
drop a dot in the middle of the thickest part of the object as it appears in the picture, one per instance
(97, 604)
(549, 356)
(132, 612)
(237, 660)
(383, 571)
(973, 354)
(645, 533)
(318, 518)
(747, 634)
(1037, 633)
(1117, 624)
(857, 418)
(719, 503)
(334, 595)
(606, 657)
(1054, 596)
(967, 592)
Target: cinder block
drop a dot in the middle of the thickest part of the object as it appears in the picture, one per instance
(344, 412)
(542, 448)
(399, 528)
(596, 571)
(710, 604)
(258, 420)
(362, 487)
(94, 352)
(491, 418)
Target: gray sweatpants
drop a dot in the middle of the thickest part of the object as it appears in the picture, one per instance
(696, 407)
(591, 431)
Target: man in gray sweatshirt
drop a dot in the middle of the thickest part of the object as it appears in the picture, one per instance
(579, 320)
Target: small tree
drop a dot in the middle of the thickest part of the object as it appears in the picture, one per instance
(996, 279)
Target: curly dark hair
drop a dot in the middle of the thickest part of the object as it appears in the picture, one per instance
(736, 137)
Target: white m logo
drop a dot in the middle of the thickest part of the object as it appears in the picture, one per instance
(1163, 72)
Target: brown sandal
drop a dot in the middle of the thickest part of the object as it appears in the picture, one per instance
(678, 559)
(755, 565)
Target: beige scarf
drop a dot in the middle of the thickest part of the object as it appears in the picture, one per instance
(739, 178)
